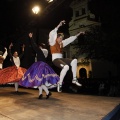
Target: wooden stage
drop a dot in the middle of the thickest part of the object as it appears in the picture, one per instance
(25, 105)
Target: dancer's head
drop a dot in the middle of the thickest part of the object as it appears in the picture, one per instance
(15, 54)
(60, 37)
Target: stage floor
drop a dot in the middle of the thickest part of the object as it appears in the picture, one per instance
(60, 106)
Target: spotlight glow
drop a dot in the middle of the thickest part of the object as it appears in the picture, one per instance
(36, 9)
(50, 1)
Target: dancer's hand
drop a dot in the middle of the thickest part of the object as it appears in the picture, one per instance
(61, 23)
(80, 33)
(10, 46)
(30, 35)
(5, 49)
(23, 46)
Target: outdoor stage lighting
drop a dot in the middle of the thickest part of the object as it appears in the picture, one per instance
(49, 1)
(36, 9)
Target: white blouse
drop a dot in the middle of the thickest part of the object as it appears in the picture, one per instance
(45, 52)
(16, 61)
(52, 41)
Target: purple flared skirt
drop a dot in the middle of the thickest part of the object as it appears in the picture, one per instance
(39, 73)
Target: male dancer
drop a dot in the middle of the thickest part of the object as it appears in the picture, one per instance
(57, 43)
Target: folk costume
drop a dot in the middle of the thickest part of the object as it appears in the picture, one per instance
(57, 56)
(13, 73)
(40, 73)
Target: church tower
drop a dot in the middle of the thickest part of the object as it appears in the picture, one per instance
(82, 19)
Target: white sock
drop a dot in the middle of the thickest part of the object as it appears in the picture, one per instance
(16, 86)
(45, 89)
(40, 90)
(74, 67)
(63, 73)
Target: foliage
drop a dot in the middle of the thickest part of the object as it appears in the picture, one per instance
(99, 45)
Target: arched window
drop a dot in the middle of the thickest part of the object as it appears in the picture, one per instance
(83, 73)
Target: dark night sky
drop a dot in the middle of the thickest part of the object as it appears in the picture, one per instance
(17, 14)
(17, 17)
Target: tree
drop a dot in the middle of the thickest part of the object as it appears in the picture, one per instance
(99, 44)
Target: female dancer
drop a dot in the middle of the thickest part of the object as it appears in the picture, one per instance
(40, 72)
(13, 73)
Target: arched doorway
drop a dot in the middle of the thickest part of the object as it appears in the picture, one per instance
(83, 73)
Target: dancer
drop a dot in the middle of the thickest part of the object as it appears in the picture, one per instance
(13, 73)
(57, 43)
(3, 57)
(39, 72)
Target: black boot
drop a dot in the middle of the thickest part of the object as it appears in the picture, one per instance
(49, 94)
(40, 96)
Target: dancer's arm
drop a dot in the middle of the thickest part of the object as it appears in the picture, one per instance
(5, 53)
(71, 39)
(53, 33)
(10, 54)
(35, 47)
(21, 55)
(9, 50)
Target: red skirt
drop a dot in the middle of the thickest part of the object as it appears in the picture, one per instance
(11, 74)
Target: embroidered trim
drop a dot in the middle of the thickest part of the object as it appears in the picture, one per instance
(38, 78)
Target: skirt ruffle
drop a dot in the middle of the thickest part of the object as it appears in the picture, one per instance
(11, 74)
(39, 73)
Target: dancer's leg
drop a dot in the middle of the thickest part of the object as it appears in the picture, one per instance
(62, 65)
(16, 86)
(48, 93)
(40, 92)
(62, 75)
(45, 89)
(74, 70)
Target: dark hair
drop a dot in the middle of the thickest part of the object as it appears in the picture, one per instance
(60, 34)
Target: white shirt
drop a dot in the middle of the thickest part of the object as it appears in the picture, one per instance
(45, 52)
(1, 66)
(16, 61)
(52, 40)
